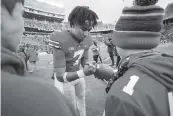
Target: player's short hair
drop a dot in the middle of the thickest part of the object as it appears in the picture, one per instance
(10, 4)
(80, 14)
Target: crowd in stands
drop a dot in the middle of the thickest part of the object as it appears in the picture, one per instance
(54, 26)
(167, 34)
(39, 41)
(103, 27)
(42, 25)
(42, 40)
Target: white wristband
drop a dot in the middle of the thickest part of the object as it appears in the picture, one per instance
(98, 66)
(80, 73)
(115, 71)
(65, 77)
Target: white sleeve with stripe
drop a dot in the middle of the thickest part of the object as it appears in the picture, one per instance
(55, 44)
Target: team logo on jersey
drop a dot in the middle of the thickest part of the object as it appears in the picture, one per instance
(86, 46)
(71, 48)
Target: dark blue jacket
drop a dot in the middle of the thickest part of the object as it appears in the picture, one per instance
(143, 89)
(23, 96)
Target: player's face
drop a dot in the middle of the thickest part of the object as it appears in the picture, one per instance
(82, 30)
(12, 26)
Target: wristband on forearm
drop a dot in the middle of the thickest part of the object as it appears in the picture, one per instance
(115, 71)
(80, 74)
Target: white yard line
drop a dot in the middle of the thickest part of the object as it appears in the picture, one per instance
(106, 59)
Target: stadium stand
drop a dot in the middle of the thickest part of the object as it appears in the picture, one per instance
(167, 32)
(102, 27)
(102, 31)
(42, 25)
(40, 22)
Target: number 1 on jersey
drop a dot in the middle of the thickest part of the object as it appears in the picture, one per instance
(129, 87)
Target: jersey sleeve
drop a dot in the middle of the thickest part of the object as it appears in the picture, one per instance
(58, 53)
(59, 63)
(54, 42)
(58, 58)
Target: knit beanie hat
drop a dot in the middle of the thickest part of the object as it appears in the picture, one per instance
(139, 26)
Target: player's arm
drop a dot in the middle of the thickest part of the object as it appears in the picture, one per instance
(60, 65)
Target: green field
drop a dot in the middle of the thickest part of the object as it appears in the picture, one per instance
(95, 94)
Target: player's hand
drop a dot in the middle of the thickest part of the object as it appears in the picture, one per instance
(104, 72)
(90, 68)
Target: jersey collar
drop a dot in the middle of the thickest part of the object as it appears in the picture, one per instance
(74, 37)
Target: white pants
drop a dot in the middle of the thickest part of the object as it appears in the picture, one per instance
(76, 92)
(58, 85)
(104, 113)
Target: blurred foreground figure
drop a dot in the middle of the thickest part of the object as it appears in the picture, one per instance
(32, 58)
(22, 96)
(143, 85)
(21, 53)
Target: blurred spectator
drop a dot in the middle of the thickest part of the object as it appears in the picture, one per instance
(21, 53)
(33, 58)
(96, 52)
(118, 58)
(110, 49)
(167, 34)
(21, 95)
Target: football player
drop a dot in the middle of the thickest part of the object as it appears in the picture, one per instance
(70, 50)
(20, 94)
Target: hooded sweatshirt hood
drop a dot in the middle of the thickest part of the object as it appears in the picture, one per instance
(158, 66)
(11, 63)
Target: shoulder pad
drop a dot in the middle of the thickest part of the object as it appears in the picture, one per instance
(57, 36)
(57, 39)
